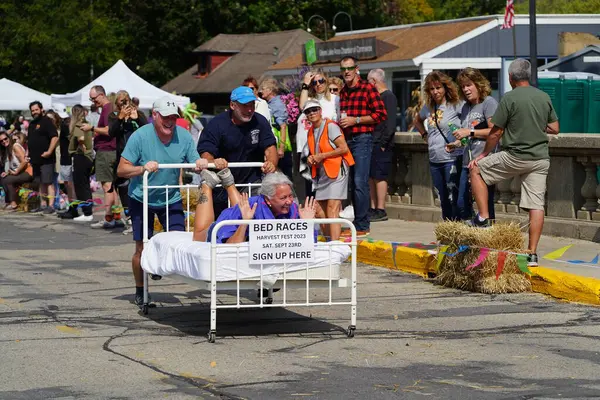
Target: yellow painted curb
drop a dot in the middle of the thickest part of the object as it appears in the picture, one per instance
(548, 281)
(415, 261)
(566, 286)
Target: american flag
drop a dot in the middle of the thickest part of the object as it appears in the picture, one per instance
(509, 15)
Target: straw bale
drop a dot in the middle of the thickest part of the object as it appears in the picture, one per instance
(193, 200)
(501, 236)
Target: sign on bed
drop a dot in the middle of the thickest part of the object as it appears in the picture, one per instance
(282, 242)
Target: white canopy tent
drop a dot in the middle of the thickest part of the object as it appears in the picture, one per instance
(120, 77)
(14, 96)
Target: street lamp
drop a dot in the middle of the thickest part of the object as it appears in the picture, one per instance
(346, 14)
(324, 23)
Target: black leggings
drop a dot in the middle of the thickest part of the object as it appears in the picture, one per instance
(82, 170)
(10, 183)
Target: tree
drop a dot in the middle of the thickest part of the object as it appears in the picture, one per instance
(51, 45)
(560, 7)
(452, 9)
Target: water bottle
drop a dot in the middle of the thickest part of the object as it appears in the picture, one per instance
(464, 141)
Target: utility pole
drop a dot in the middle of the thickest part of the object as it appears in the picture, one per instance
(533, 43)
(91, 41)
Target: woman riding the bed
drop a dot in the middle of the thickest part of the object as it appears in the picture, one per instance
(275, 201)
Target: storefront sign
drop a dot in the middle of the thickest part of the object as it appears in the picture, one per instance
(282, 242)
(311, 52)
(360, 49)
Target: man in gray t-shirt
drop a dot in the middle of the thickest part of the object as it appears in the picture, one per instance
(524, 118)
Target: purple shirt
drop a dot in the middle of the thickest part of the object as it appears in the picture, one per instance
(105, 142)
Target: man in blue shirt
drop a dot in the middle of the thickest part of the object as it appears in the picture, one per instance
(161, 142)
(239, 135)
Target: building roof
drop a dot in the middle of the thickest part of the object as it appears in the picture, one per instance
(254, 53)
(411, 41)
(416, 42)
(589, 49)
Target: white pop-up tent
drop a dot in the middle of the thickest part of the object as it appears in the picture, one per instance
(120, 77)
(14, 96)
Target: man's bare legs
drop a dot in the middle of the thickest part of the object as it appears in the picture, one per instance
(109, 200)
(136, 264)
(536, 224)
(378, 191)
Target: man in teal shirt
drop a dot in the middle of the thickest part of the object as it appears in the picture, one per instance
(161, 142)
(524, 119)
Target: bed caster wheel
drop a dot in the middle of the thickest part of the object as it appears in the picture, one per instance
(145, 309)
(212, 336)
(269, 300)
(350, 331)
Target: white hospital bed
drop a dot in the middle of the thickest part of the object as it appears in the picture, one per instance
(224, 267)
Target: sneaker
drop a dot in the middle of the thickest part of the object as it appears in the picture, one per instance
(476, 223)
(84, 218)
(532, 260)
(48, 211)
(139, 301)
(119, 223)
(361, 234)
(36, 210)
(379, 215)
(226, 177)
(348, 233)
(210, 178)
(155, 277)
(104, 224)
(128, 230)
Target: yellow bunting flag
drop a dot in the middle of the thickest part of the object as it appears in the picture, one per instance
(440, 256)
(557, 253)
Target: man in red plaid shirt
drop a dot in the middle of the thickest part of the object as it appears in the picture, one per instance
(361, 108)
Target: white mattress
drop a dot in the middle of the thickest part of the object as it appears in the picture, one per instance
(175, 253)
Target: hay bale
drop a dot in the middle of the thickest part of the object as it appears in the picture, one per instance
(482, 279)
(193, 200)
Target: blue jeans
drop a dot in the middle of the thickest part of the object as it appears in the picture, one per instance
(361, 147)
(446, 178)
(465, 197)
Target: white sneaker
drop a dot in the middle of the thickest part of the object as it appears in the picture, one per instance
(128, 230)
(84, 218)
(104, 224)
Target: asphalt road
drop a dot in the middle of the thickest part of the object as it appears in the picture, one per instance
(68, 330)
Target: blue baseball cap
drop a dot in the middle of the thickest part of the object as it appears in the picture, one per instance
(243, 95)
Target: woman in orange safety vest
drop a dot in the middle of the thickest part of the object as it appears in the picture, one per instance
(330, 160)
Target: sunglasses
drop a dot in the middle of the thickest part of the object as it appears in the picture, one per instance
(318, 82)
(311, 110)
(347, 69)
(5, 140)
(93, 99)
(333, 90)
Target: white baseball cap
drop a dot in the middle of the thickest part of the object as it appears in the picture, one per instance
(165, 106)
(60, 109)
(311, 104)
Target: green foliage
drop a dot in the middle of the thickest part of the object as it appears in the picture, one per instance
(452, 9)
(560, 7)
(51, 45)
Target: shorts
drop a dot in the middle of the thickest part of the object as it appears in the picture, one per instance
(105, 166)
(43, 173)
(500, 166)
(381, 163)
(66, 173)
(136, 213)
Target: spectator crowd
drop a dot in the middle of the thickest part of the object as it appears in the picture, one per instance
(342, 155)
